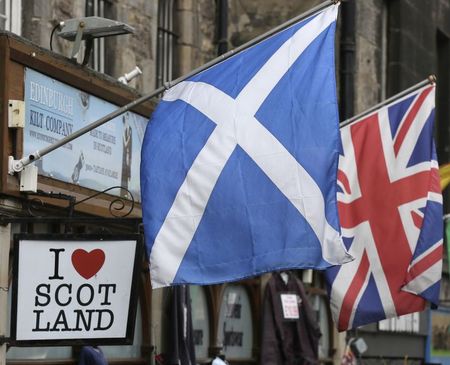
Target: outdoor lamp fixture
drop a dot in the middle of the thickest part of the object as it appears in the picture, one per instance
(89, 28)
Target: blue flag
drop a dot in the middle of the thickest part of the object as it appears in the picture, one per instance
(239, 163)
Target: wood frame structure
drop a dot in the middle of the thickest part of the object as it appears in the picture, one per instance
(16, 54)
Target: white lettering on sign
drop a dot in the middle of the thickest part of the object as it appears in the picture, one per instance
(51, 98)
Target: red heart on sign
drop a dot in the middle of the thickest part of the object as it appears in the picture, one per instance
(86, 263)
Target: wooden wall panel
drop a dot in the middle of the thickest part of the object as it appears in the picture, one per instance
(5, 147)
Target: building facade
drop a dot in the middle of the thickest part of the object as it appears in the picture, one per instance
(382, 48)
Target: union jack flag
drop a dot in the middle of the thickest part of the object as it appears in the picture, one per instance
(390, 208)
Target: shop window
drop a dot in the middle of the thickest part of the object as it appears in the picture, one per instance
(39, 353)
(130, 351)
(165, 42)
(235, 328)
(408, 323)
(11, 15)
(320, 307)
(200, 321)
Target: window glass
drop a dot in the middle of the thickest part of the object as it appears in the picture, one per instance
(200, 321)
(235, 329)
(406, 323)
(39, 353)
(2, 14)
(10, 15)
(320, 307)
(131, 351)
(165, 42)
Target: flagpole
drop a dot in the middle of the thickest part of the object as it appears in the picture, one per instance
(19, 165)
(430, 80)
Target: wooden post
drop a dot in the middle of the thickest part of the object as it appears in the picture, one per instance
(5, 236)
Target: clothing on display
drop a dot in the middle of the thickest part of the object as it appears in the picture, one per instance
(181, 339)
(290, 334)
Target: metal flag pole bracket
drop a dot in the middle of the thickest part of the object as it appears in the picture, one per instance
(18, 166)
(430, 80)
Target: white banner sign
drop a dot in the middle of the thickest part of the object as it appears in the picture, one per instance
(80, 289)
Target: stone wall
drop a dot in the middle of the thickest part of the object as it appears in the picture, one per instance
(250, 18)
(40, 16)
(194, 22)
(419, 45)
(139, 49)
(195, 26)
(123, 52)
(369, 55)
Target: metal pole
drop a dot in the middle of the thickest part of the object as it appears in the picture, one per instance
(430, 80)
(18, 165)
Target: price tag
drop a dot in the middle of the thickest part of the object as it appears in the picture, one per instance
(290, 304)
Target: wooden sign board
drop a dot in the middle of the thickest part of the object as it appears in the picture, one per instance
(18, 55)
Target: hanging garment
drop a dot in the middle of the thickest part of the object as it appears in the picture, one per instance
(181, 340)
(290, 333)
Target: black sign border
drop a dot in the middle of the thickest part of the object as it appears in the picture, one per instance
(132, 305)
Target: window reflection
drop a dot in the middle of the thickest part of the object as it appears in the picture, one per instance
(235, 330)
(200, 321)
(320, 307)
(130, 351)
(2, 14)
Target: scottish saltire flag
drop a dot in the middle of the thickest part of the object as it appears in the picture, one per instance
(239, 164)
(390, 209)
